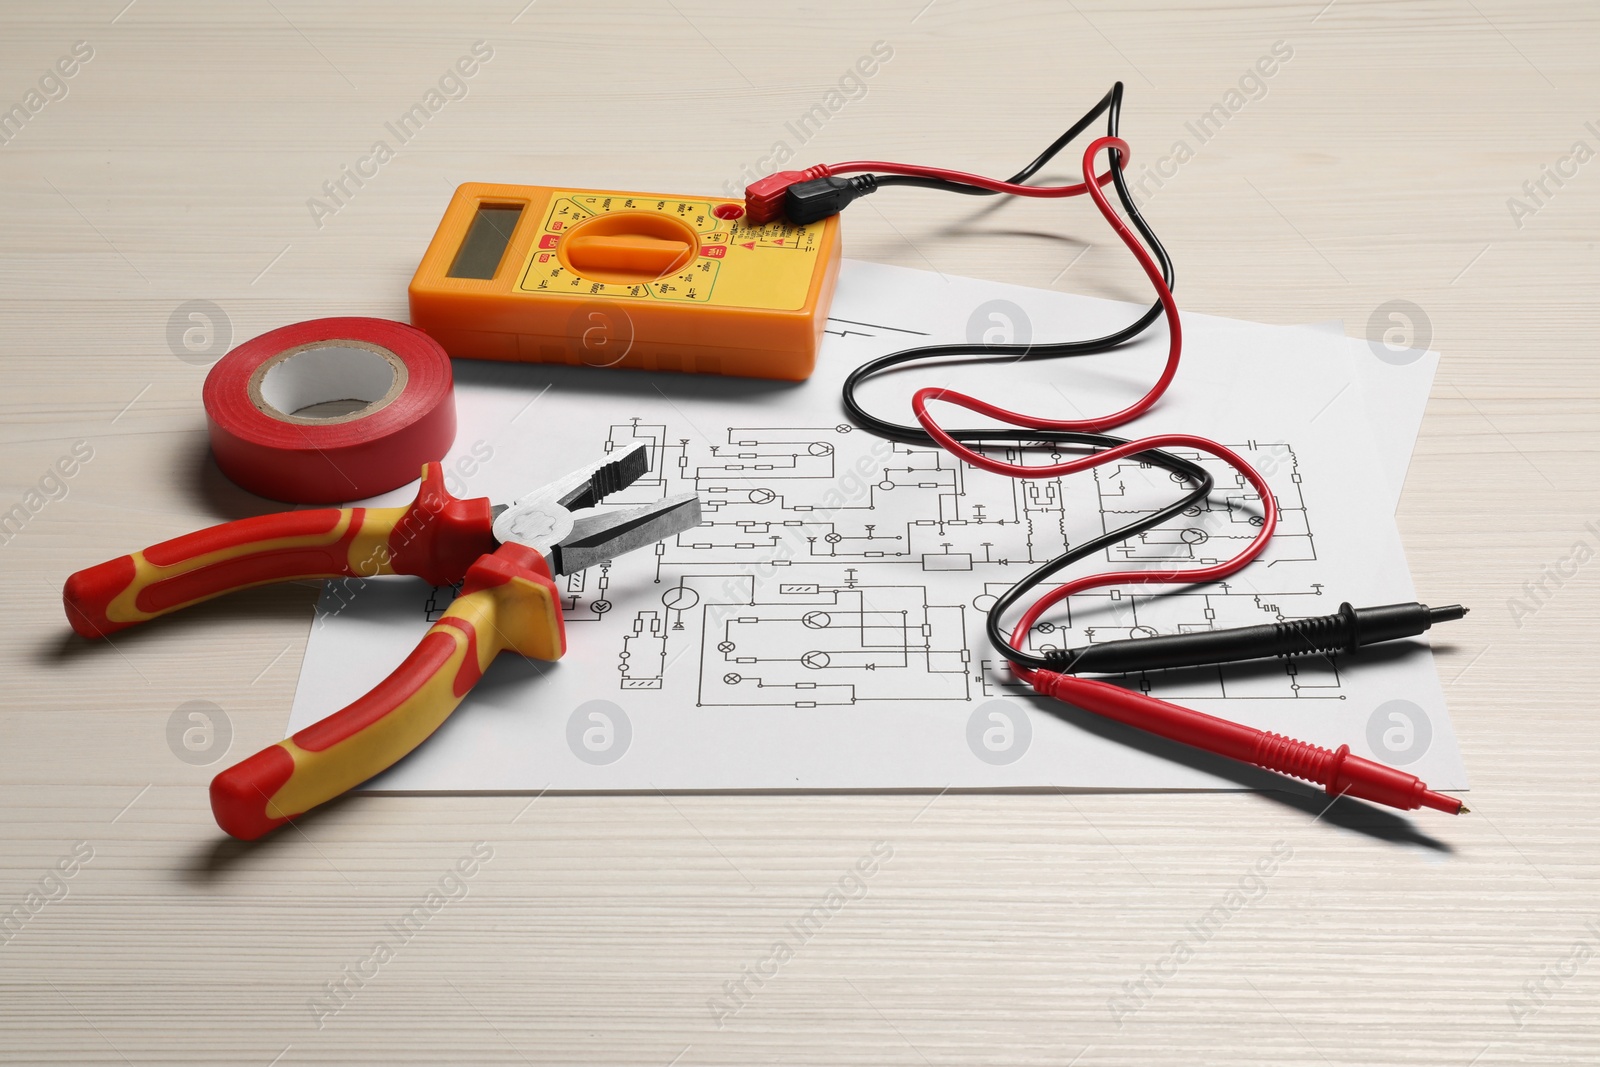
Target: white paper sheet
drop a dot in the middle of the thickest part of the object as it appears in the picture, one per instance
(1395, 386)
(823, 629)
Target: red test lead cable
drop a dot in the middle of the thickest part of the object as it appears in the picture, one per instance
(764, 198)
(1336, 770)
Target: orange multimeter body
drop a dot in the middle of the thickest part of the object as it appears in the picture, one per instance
(643, 280)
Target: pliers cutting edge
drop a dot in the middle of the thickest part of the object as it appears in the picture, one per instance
(504, 556)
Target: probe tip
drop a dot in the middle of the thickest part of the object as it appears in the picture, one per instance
(1450, 613)
(1441, 802)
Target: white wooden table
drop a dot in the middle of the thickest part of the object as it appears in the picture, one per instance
(1375, 164)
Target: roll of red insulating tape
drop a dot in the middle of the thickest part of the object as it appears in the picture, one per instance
(330, 410)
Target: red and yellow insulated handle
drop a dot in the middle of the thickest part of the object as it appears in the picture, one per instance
(436, 537)
(507, 601)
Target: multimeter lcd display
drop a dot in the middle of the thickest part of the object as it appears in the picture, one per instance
(486, 241)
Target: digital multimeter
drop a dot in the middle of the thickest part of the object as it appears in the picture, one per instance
(643, 280)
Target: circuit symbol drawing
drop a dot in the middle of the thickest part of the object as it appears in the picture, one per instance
(832, 567)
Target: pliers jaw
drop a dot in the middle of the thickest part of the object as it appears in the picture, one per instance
(559, 519)
(588, 486)
(603, 535)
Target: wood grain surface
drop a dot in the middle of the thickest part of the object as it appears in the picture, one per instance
(1379, 162)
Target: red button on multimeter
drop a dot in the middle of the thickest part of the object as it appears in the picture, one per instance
(643, 280)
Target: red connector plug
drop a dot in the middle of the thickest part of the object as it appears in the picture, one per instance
(763, 198)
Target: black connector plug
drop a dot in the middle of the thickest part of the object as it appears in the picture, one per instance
(819, 198)
(1346, 631)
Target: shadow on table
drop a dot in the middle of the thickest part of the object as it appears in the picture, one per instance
(212, 861)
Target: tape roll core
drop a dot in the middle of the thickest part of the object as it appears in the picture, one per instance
(322, 373)
(330, 410)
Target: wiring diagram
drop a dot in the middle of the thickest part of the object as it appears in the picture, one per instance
(832, 567)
